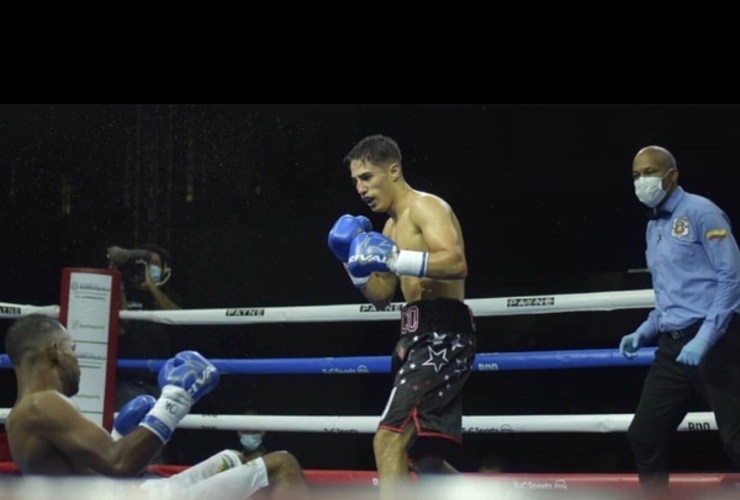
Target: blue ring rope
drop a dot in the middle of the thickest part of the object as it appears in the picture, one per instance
(503, 361)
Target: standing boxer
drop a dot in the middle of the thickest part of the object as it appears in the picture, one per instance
(421, 247)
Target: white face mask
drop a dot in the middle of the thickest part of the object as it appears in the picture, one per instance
(250, 442)
(155, 272)
(649, 189)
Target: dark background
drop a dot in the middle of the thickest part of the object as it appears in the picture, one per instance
(244, 195)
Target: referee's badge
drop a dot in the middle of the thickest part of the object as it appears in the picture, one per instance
(680, 227)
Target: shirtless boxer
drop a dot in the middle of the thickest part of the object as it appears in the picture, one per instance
(49, 436)
(421, 247)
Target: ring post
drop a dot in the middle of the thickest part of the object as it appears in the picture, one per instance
(88, 307)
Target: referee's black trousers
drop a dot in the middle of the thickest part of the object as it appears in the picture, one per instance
(668, 392)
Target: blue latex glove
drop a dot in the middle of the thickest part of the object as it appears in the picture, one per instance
(630, 344)
(693, 352)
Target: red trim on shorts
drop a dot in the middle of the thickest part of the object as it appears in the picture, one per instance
(419, 431)
(403, 425)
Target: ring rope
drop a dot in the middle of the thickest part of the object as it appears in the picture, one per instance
(496, 361)
(473, 424)
(501, 306)
(599, 301)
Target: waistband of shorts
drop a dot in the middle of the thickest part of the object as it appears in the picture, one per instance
(440, 315)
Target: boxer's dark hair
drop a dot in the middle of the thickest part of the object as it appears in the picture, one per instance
(26, 335)
(377, 149)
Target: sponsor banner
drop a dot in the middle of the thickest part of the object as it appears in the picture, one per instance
(87, 303)
(359, 369)
(558, 484)
(530, 301)
(369, 308)
(9, 311)
(246, 311)
(494, 429)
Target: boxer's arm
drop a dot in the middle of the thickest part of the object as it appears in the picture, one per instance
(380, 289)
(56, 421)
(445, 246)
(163, 300)
(123, 306)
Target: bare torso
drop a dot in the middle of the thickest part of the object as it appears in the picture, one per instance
(31, 454)
(408, 237)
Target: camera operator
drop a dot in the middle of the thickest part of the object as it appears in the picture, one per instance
(145, 273)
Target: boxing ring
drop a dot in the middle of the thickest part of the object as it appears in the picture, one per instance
(524, 485)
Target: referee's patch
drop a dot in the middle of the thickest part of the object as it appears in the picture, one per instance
(716, 234)
(680, 227)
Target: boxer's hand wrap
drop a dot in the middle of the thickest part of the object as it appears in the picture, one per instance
(171, 407)
(373, 252)
(409, 263)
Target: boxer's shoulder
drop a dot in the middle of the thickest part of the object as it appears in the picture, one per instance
(422, 200)
(41, 405)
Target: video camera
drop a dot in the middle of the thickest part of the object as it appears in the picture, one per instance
(126, 261)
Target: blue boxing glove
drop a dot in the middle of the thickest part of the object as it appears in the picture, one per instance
(184, 380)
(131, 415)
(693, 352)
(346, 229)
(373, 252)
(189, 370)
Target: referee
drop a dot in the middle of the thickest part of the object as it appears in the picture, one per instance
(695, 266)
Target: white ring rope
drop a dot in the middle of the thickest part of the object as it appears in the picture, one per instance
(8, 310)
(505, 306)
(501, 306)
(473, 424)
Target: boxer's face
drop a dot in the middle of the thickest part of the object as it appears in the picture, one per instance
(374, 184)
(69, 366)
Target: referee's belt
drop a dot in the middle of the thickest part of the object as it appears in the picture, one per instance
(683, 333)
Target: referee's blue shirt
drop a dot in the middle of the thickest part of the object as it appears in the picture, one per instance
(695, 265)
